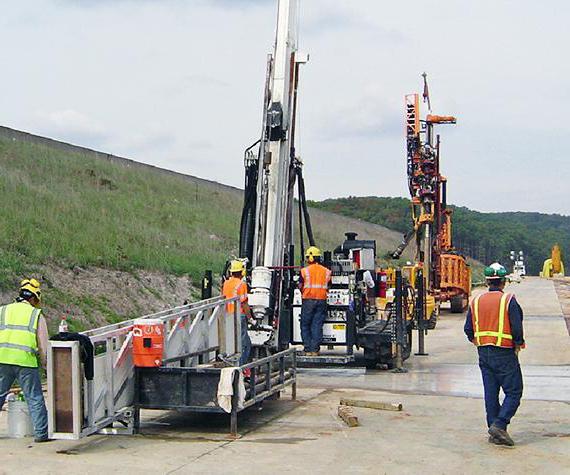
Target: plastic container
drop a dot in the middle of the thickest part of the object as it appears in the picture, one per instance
(19, 420)
(148, 343)
(63, 328)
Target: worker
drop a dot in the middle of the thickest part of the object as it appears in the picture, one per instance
(494, 325)
(233, 287)
(314, 283)
(23, 338)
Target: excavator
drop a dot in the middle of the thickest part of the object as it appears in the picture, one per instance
(446, 273)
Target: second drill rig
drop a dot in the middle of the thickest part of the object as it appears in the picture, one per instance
(446, 272)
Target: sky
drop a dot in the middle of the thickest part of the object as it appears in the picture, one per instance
(179, 84)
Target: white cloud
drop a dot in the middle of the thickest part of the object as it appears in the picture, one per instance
(179, 84)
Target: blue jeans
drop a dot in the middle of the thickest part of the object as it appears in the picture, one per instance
(313, 314)
(245, 342)
(29, 379)
(500, 369)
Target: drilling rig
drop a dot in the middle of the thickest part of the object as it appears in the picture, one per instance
(271, 170)
(174, 359)
(446, 272)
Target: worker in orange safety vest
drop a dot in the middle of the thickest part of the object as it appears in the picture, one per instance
(233, 287)
(494, 324)
(314, 282)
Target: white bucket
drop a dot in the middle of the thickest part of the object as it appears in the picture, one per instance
(19, 420)
(261, 278)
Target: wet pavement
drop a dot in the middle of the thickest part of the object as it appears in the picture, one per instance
(440, 430)
(451, 367)
(542, 383)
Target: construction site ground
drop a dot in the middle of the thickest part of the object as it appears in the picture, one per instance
(440, 430)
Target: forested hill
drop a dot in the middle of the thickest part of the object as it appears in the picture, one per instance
(483, 236)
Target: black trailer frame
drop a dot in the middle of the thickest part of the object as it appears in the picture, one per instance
(194, 389)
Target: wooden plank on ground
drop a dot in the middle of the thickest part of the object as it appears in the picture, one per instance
(346, 414)
(384, 406)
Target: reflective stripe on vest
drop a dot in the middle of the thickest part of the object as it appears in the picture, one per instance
(307, 280)
(318, 282)
(500, 333)
(29, 327)
(18, 342)
(230, 307)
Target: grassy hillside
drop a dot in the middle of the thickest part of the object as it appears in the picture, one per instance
(65, 213)
(482, 236)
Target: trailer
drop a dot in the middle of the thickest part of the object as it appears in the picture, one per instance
(105, 393)
(94, 393)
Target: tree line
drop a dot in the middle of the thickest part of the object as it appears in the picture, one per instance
(486, 237)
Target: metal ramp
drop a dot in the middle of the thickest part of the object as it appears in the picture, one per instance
(323, 360)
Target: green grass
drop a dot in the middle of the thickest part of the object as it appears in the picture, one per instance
(76, 210)
(64, 210)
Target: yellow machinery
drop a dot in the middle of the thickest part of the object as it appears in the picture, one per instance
(553, 266)
(409, 274)
(447, 273)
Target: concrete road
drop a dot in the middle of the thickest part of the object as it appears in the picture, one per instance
(440, 430)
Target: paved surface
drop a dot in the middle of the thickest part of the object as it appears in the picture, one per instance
(441, 429)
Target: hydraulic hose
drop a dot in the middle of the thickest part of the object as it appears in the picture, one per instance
(303, 200)
(247, 224)
(301, 230)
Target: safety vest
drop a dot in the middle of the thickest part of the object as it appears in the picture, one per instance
(490, 317)
(315, 281)
(232, 288)
(18, 330)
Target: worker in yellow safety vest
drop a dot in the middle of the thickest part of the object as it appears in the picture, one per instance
(314, 283)
(494, 324)
(233, 287)
(23, 341)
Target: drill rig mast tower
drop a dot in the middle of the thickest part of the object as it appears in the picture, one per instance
(266, 235)
(447, 274)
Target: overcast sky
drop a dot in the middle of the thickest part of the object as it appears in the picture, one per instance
(178, 83)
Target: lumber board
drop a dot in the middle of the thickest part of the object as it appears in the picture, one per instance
(346, 414)
(384, 406)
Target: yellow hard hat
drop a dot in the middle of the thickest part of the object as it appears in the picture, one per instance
(312, 252)
(237, 266)
(32, 286)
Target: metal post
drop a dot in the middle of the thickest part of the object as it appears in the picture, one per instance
(281, 369)
(233, 415)
(400, 330)
(136, 405)
(420, 312)
(110, 389)
(294, 375)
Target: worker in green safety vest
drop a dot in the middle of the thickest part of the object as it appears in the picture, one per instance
(23, 346)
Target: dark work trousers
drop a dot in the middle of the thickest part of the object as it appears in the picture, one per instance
(500, 369)
(313, 314)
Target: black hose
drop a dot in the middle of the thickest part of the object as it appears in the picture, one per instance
(301, 231)
(303, 199)
(247, 223)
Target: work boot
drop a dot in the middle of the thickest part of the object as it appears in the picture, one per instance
(494, 441)
(39, 440)
(501, 436)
